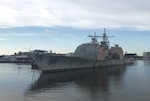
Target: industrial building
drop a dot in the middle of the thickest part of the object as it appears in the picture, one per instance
(146, 55)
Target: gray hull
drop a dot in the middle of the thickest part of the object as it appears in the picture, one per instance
(49, 62)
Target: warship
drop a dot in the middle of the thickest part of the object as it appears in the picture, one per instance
(94, 54)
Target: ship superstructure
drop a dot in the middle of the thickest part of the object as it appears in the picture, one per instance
(99, 50)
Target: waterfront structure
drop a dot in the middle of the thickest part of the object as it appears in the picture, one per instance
(87, 55)
(39, 51)
(131, 55)
(146, 55)
(20, 57)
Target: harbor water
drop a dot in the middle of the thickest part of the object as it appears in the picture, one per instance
(18, 82)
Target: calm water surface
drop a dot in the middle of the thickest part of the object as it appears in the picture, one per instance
(129, 83)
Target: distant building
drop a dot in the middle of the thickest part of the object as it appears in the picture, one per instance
(40, 51)
(70, 54)
(146, 55)
(131, 55)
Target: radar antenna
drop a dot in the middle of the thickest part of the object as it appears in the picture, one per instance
(105, 37)
(105, 42)
(94, 38)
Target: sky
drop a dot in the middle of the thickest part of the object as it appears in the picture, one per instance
(62, 25)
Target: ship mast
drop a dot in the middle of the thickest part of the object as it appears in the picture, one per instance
(94, 38)
(105, 42)
(105, 37)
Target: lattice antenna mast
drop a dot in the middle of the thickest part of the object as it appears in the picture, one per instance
(105, 37)
(105, 42)
(94, 38)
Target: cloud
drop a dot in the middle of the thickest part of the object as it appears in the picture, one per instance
(143, 37)
(47, 31)
(25, 34)
(12, 36)
(3, 39)
(5, 36)
(77, 13)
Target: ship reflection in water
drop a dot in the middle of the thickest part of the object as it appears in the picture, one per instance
(89, 85)
(130, 83)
